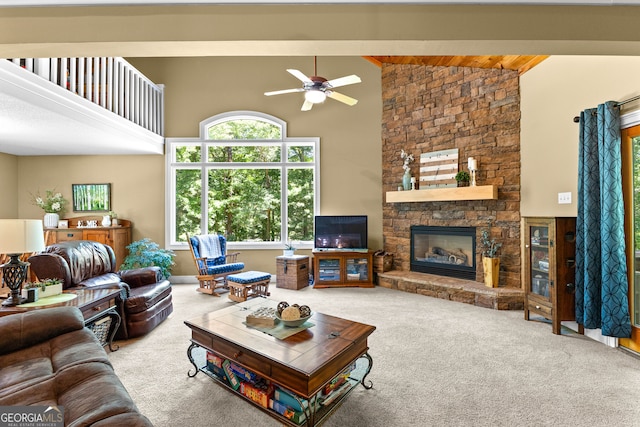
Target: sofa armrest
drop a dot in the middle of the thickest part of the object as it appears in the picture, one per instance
(23, 330)
(141, 276)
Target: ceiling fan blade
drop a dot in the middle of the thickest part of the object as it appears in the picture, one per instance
(280, 92)
(342, 98)
(306, 106)
(299, 75)
(343, 81)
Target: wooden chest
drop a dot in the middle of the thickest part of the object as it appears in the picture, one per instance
(292, 272)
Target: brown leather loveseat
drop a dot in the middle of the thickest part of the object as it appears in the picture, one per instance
(145, 297)
(49, 359)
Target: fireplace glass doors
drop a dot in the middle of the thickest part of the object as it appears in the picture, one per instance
(446, 251)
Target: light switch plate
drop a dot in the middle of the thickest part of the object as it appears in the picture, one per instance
(564, 198)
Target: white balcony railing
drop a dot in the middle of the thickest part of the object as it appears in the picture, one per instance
(112, 83)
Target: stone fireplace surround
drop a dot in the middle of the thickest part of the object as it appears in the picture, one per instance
(477, 111)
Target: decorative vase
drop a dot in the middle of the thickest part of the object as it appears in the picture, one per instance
(491, 267)
(106, 221)
(288, 252)
(406, 179)
(51, 220)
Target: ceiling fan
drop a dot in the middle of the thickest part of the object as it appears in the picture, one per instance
(316, 89)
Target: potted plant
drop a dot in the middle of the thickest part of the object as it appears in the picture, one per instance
(114, 218)
(53, 204)
(490, 260)
(289, 249)
(147, 253)
(46, 287)
(463, 178)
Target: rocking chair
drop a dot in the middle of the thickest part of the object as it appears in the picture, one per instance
(213, 263)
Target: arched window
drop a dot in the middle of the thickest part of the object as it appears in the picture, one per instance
(245, 179)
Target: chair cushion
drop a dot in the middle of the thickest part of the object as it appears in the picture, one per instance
(225, 268)
(217, 248)
(249, 277)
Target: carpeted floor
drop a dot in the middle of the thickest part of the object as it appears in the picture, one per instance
(435, 363)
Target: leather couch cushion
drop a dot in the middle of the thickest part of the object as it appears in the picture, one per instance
(145, 297)
(35, 327)
(143, 322)
(86, 259)
(23, 368)
(111, 280)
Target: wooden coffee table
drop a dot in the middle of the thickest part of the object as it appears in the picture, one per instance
(95, 305)
(303, 363)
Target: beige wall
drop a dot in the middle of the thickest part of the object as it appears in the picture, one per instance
(197, 88)
(137, 186)
(553, 93)
(9, 180)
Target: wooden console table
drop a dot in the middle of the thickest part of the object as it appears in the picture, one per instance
(303, 363)
(116, 236)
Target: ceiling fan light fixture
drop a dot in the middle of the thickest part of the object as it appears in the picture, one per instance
(315, 96)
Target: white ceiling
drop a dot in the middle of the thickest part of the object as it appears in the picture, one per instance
(38, 117)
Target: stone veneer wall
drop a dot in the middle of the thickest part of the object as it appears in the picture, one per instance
(427, 109)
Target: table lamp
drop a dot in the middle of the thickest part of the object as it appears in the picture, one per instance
(18, 236)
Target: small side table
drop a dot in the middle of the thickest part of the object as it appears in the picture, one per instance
(98, 306)
(292, 272)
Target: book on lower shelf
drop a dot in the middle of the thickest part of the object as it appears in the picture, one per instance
(231, 377)
(289, 399)
(336, 393)
(296, 416)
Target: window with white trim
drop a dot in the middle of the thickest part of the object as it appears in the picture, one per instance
(245, 179)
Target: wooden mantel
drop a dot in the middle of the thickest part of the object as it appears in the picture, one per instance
(479, 192)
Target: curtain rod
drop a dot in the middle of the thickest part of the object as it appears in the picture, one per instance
(576, 119)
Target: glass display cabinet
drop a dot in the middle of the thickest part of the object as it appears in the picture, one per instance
(343, 268)
(549, 268)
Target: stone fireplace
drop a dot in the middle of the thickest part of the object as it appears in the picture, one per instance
(477, 111)
(445, 251)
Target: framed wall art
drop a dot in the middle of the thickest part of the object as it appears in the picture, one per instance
(91, 197)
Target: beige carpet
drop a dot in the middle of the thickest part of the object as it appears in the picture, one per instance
(435, 363)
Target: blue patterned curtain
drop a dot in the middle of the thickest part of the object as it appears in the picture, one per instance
(601, 262)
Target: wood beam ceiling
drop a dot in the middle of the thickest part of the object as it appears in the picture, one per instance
(520, 63)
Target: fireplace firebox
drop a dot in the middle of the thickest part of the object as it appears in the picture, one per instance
(446, 251)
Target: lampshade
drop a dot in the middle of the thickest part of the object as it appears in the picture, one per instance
(315, 96)
(18, 236)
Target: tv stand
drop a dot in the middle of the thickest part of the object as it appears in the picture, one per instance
(340, 268)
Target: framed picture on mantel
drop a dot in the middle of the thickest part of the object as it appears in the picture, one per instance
(91, 197)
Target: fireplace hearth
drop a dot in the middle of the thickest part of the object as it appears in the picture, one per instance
(446, 251)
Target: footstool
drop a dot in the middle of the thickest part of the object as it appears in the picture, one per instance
(248, 284)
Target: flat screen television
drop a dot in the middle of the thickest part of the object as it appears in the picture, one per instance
(345, 232)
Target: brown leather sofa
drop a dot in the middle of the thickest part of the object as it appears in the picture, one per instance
(145, 298)
(48, 358)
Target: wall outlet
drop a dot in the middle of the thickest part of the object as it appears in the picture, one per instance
(564, 198)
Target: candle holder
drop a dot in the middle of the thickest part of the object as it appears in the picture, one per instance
(413, 183)
(473, 167)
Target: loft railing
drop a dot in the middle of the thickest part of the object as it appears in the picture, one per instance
(112, 83)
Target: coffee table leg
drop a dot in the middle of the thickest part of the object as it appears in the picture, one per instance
(370, 384)
(191, 359)
(116, 319)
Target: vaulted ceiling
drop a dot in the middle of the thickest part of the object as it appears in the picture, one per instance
(521, 63)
